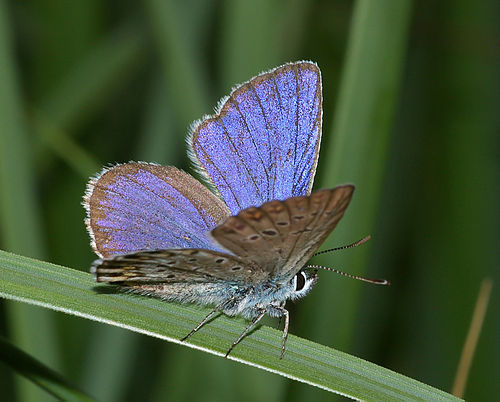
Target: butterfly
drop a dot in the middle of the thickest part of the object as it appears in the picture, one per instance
(241, 244)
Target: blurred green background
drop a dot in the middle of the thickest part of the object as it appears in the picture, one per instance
(86, 83)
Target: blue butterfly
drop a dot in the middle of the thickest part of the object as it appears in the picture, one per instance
(243, 246)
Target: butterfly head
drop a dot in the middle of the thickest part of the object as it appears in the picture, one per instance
(303, 282)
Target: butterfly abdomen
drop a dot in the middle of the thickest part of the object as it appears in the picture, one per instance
(209, 293)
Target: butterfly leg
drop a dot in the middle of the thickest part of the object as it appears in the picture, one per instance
(254, 322)
(281, 316)
(280, 311)
(285, 331)
(218, 308)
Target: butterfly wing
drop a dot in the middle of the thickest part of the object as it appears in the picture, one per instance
(263, 143)
(281, 236)
(141, 206)
(176, 266)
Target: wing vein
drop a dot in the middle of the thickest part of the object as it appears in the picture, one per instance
(315, 122)
(296, 125)
(268, 129)
(236, 105)
(252, 179)
(305, 252)
(219, 172)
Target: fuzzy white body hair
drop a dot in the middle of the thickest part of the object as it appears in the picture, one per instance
(246, 301)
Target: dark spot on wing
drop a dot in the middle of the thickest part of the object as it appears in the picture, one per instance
(270, 232)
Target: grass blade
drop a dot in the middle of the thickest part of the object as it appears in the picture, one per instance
(106, 67)
(20, 226)
(356, 153)
(41, 375)
(75, 292)
(184, 79)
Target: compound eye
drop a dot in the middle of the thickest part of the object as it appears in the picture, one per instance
(301, 281)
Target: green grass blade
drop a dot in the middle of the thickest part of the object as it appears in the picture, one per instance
(247, 51)
(184, 79)
(95, 77)
(82, 92)
(75, 292)
(44, 377)
(108, 363)
(356, 152)
(20, 226)
(19, 219)
(66, 148)
(159, 140)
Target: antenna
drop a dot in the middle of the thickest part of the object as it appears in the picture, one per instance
(384, 282)
(355, 244)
